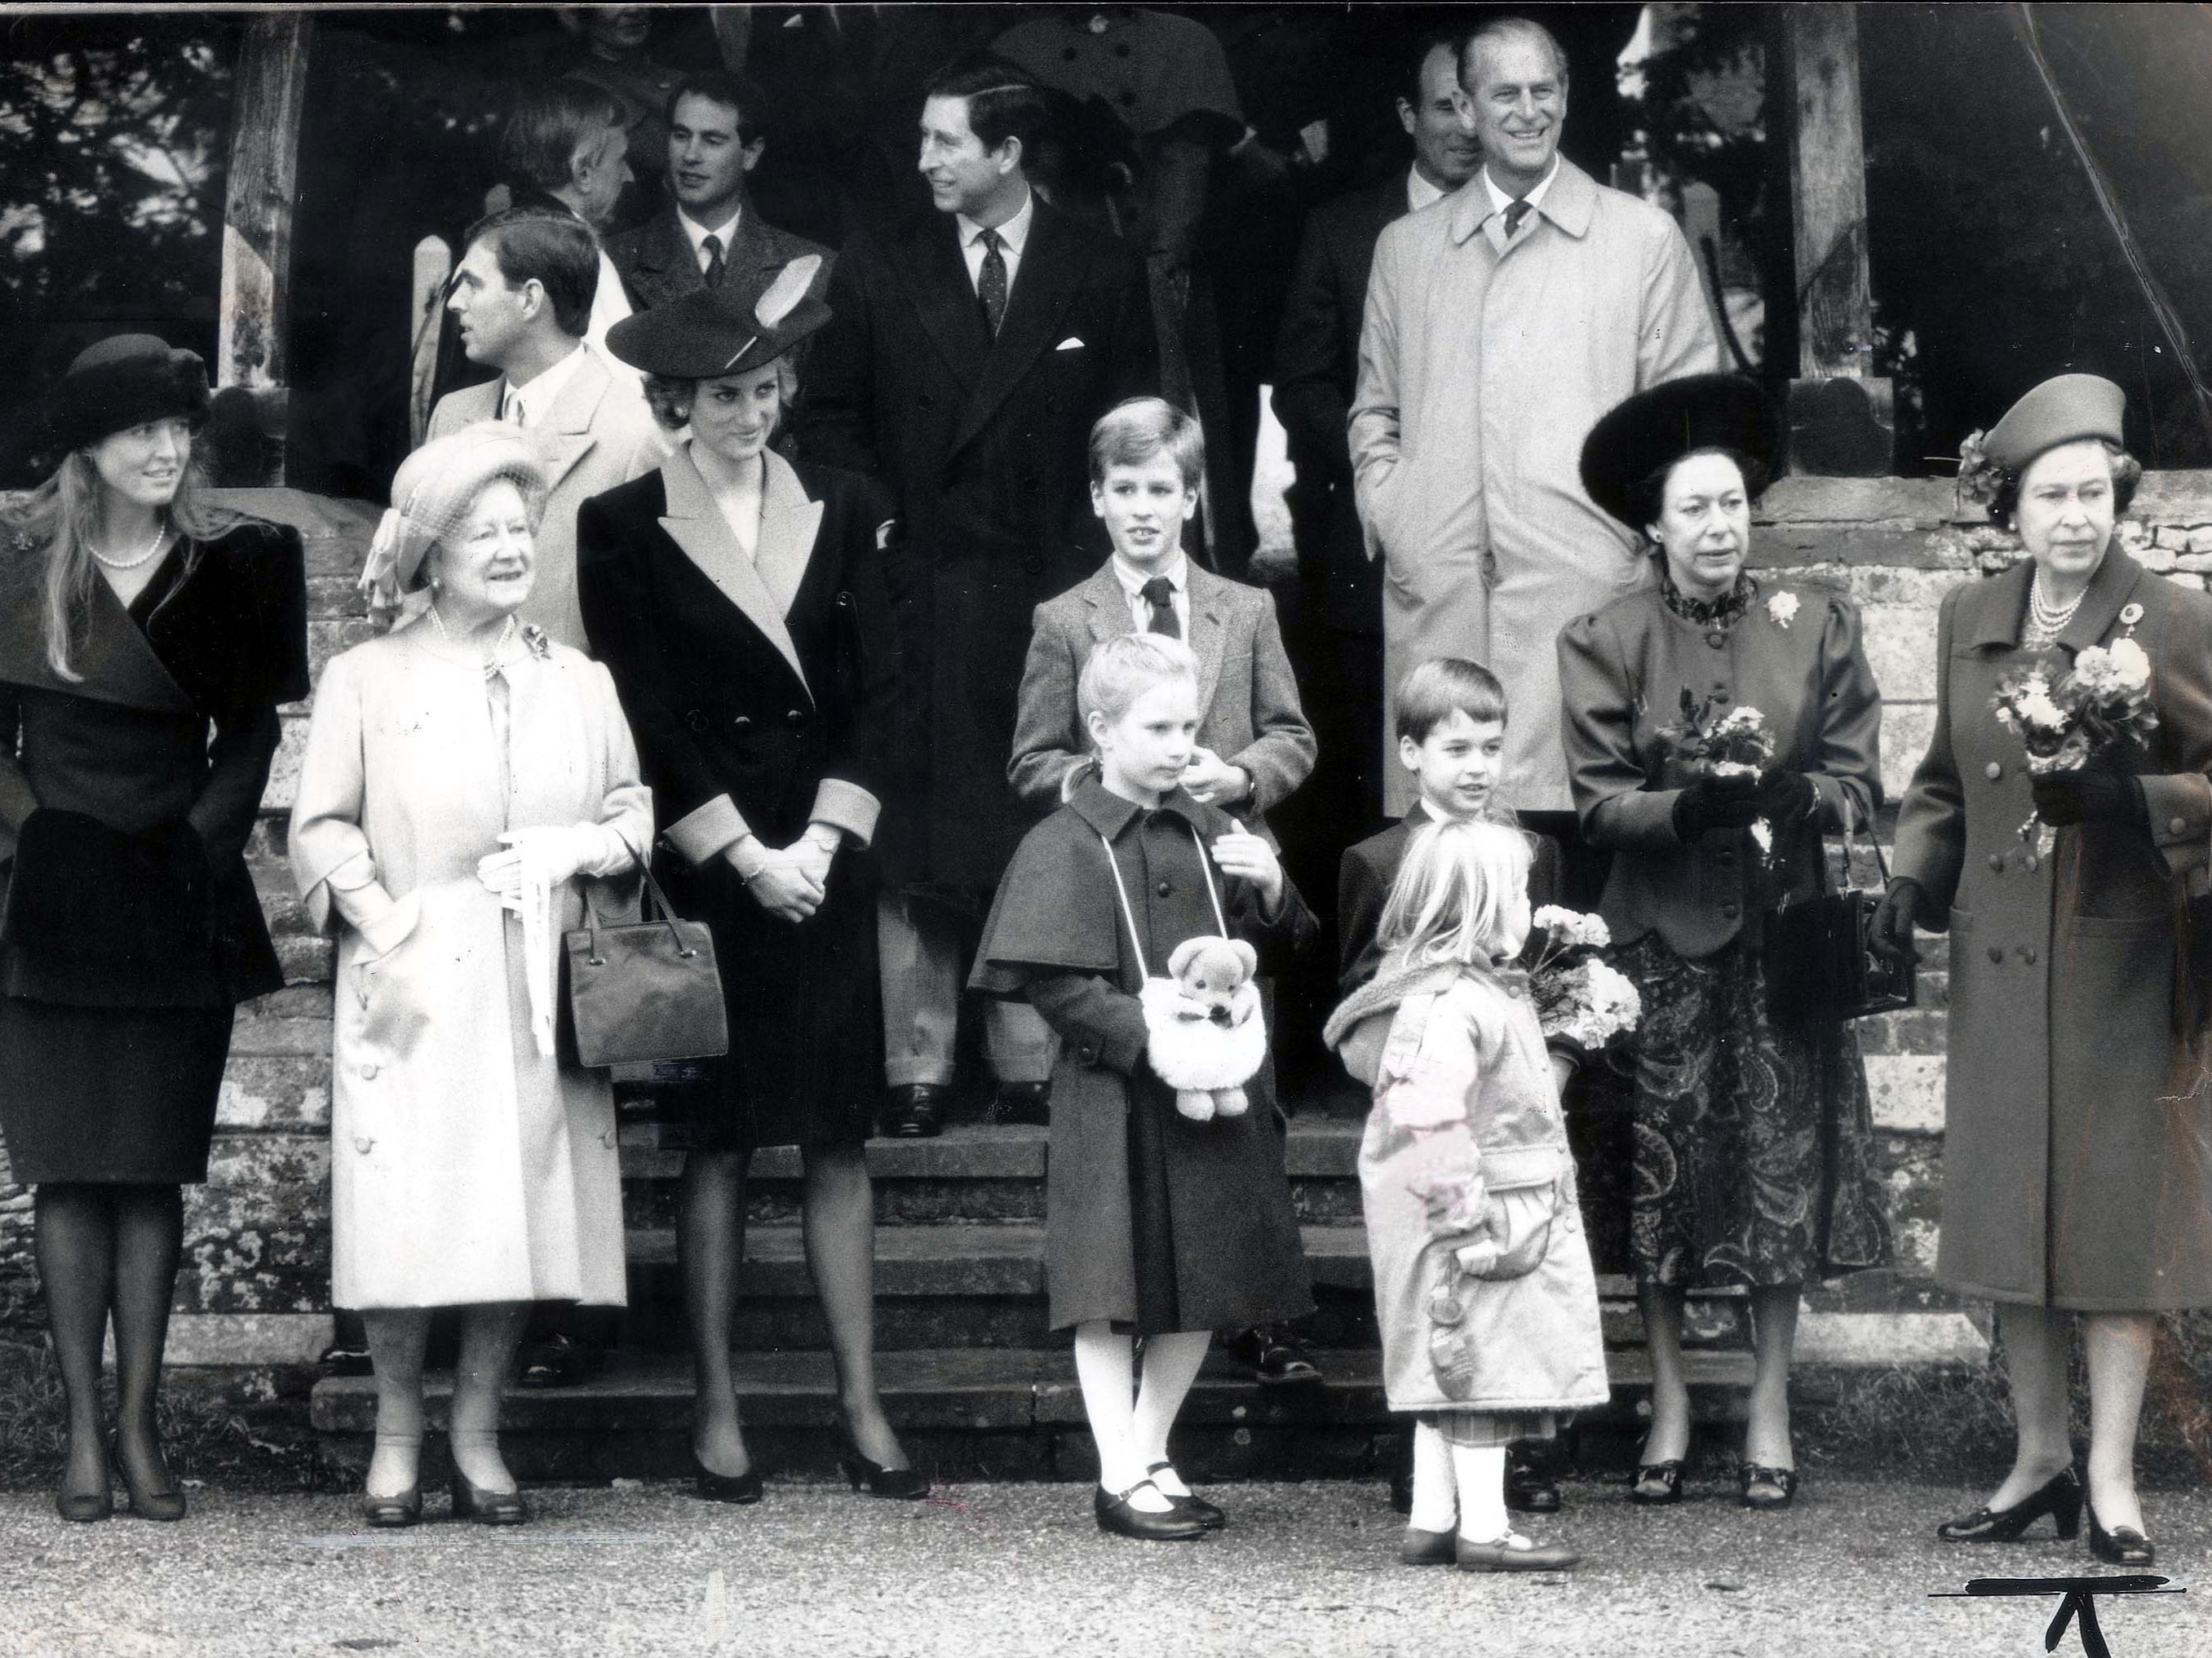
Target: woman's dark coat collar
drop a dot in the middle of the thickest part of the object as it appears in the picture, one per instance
(1999, 604)
(115, 662)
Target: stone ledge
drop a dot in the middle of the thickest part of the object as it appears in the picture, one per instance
(1881, 1341)
(243, 1340)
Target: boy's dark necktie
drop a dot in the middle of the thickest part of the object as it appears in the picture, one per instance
(712, 246)
(1160, 593)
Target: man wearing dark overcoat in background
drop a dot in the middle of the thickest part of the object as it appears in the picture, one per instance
(969, 353)
(709, 228)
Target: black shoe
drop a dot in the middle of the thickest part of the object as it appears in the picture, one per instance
(1528, 1489)
(146, 1503)
(559, 1361)
(2059, 1496)
(1273, 1357)
(1190, 1504)
(1023, 1102)
(1656, 1483)
(393, 1513)
(1753, 1475)
(1115, 1515)
(739, 1488)
(341, 1359)
(2124, 1545)
(1429, 1548)
(908, 1484)
(487, 1508)
(1502, 1556)
(913, 1111)
(82, 1507)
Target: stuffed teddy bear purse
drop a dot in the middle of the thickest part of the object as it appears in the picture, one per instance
(1206, 1037)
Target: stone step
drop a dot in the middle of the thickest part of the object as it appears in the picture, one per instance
(962, 1413)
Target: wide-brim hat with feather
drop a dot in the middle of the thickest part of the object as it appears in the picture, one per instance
(712, 332)
(433, 494)
(122, 381)
(1654, 428)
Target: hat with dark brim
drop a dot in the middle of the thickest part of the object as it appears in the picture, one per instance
(2064, 409)
(1654, 429)
(712, 332)
(122, 381)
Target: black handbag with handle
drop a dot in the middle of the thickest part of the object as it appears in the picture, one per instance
(1820, 965)
(644, 991)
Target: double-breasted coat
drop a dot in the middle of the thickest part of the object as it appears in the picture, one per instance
(1482, 365)
(982, 445)
(761, 690)
(1150, 1218)
(466, 1166)
(132, 926)
(657, 264)
(2077, 1151)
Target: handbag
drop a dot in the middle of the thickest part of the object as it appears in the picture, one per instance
(1819, 964)
(645, 991)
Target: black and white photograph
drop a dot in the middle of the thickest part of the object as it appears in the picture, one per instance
(644, 651)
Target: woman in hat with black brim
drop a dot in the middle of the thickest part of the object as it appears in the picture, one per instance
(2077, 1147)
(739, 601)
(137, 623)
(1754, 1161)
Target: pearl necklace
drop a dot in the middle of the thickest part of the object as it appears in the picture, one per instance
(2046, 621)
(498, 645)
(161, 531)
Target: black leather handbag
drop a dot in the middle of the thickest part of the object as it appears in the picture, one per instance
(1819, 964)
(645, 991)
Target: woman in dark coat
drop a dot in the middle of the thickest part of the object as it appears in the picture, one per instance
(1754, 1158)
(136, 622)
(740, 603)
(2077, 1151)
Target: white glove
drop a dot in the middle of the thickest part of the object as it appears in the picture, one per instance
(551, 853)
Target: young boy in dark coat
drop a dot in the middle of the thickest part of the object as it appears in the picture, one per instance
(1155, 1224)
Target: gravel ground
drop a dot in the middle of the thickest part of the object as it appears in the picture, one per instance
(989, 1570)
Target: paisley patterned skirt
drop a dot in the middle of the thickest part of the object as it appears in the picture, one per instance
(1754, 1160)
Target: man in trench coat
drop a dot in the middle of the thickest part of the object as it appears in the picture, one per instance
(1499, 325)
(968, 354)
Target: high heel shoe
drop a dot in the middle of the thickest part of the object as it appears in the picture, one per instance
(1115, 1514)
(1190, 1502)
(2059, 1496)
(904, 1484)
(394, 1513)
(82, 1507)
(2122, 1545)
(1656, 1483)
(1752, 1474)
(147, 1504)
(739, 1488)
(487, 1508)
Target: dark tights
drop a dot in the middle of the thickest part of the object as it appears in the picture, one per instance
(108, 1250)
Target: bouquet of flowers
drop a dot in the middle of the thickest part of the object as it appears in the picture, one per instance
(1736, 744)
(2103, 704)
(1580, 998)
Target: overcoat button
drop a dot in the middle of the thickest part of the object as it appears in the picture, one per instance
(1993, 771)
(1164, 889)
(1034, 566)
(742, 722)
(796, 717)
(2177, 826)
(1731, 911)
(1725, 860)
(1086, 1054)
(1996, 952)
(2029, 862)
(697, 719)
(368, 1070)
(1996, 862)
(2027, 952)
(1716, 638)
(362, 1143)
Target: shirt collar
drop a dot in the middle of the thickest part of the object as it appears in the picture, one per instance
(1419, 192)
(1500, 200)
(696, 234)
(1133, 579)
(542, 391)
(1015, 232)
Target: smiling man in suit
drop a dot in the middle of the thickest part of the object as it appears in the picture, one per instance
(522, 299)
(968, 354)
(710, 230)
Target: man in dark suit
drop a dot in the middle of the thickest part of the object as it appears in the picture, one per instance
(969, 353)
(710, 228)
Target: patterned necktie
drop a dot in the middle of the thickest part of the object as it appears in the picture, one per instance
(1160, 593)
(991, 282)
(1515, 212)
(712, 247)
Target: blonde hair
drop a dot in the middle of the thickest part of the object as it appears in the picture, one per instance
(1449, 902)
(1134, 430)
(60, 521)
(1120, 670)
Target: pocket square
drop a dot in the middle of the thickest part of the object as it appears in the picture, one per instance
(1071, 344)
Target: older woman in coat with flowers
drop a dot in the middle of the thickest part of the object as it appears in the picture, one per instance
(1754, 1134)
(464, 776)
(2077, 1156)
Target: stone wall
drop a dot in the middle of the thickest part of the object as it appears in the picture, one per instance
(254, 1289)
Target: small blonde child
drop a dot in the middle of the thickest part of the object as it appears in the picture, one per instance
(1482, 1285)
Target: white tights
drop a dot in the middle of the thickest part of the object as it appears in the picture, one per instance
(1458, 1485)
(1131, 1432)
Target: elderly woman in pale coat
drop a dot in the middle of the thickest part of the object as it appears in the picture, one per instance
(464, 777)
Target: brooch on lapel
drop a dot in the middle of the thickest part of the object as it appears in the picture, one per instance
(535, 641)
(1782, 607)
(2130, 613)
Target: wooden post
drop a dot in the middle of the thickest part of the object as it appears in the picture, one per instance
(434, 264)
(1842, 420)
(257, 231)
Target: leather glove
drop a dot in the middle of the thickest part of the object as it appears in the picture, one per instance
(1785, 797)
(1716, 803)
(2063, 798)
(1889, 934)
